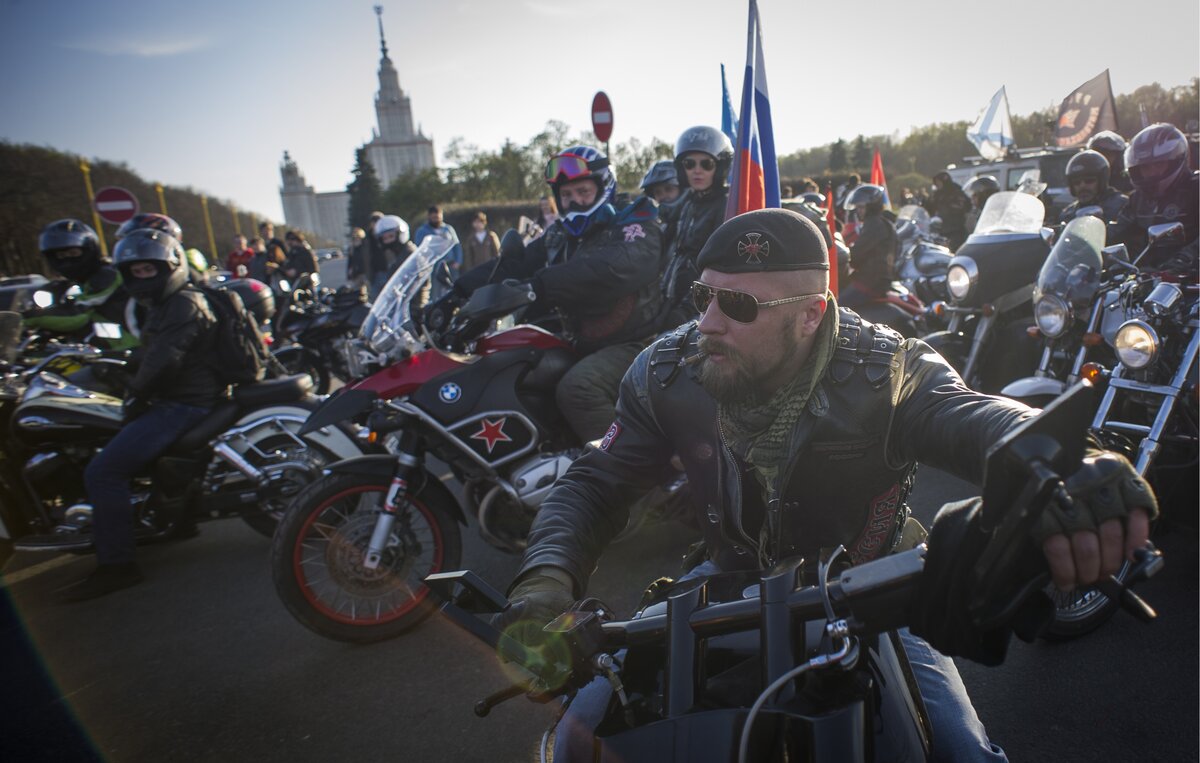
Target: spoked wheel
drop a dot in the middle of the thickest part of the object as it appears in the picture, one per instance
(292, 464)
(1080, 610)
(319, 553)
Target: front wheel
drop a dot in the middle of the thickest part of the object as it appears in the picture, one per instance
(298, 360)
(317, 558)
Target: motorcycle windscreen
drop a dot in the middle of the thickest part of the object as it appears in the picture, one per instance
(1072, 271)
(389, 328)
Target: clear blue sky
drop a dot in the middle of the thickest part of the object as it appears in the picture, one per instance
(209, 94)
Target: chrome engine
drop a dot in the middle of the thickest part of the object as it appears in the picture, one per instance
(508, 508)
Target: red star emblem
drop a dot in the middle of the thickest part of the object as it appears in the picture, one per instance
(492, 432)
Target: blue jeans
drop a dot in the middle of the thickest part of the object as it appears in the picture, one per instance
(958, 734)
(107, 477)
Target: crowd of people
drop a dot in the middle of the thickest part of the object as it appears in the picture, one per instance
(703, 344)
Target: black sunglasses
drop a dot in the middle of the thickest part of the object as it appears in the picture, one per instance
(705, 163)
(737, 305)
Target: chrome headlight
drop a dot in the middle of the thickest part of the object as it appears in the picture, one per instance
(1052, 315)
(961, 278)
(1136, 344)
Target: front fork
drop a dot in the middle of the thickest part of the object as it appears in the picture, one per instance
(407, 464)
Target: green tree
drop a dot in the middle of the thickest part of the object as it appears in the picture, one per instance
(837, 156)
(411, 194)
(631, 160)
(366, 195)
(860, 155)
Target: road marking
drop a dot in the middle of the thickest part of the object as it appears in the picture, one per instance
(8, 580)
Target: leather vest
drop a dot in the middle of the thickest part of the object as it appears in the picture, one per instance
(838, 488)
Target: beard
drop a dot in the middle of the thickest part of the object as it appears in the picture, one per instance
(738, 378)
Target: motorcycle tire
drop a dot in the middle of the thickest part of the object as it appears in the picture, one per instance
(1080, 611)
(318, 549)
(264, 517)
(298, 360)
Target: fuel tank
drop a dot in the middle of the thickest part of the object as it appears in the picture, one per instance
(56, 411)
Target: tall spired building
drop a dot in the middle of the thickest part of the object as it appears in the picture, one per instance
(395, 149)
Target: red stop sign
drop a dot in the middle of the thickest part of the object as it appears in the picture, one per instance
(115, 205)
(602, 117)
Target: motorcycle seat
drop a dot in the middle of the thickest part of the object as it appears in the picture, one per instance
(283, 390)
(220, 419)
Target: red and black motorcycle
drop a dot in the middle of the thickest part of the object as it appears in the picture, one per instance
(353, 548)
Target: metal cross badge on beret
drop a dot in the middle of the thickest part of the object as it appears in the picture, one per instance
(752, 249)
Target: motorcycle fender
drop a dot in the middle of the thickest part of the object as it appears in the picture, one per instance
(383, 465)
(294, 418)
(343, 405)
(1034, 386)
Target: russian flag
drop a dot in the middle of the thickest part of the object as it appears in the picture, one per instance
(754, 183)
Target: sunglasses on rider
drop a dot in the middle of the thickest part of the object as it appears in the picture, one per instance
(737, 305)
(705, 163)
(571, 167)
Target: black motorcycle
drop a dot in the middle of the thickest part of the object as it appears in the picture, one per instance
(990, 281)
(312, 335)
(246, 458)
(786, 664)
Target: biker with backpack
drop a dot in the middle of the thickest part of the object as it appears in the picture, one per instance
(176, 385)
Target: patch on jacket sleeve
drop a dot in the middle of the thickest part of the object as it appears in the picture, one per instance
(633, 232)
(610, 436)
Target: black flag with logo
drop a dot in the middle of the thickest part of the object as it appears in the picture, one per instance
(1086, 111)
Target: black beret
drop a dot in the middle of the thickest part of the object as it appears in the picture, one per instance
(765, 240)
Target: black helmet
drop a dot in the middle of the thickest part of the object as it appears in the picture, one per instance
(814, 198)
(71, 234)
(866, 200)
(662, 171)
(1107, 141)
(578, 163)
(1155, 158)
(979, 188)
(151, 220)
(256, 296)
(1089, 164)
(149, 245)
(708, 140)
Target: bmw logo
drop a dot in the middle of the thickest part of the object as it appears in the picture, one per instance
(450, 392)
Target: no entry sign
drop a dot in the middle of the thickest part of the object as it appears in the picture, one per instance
(602, 117)
(115, 205)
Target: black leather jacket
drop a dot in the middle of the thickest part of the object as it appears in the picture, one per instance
(605, 283)
(177, 352)
(1181, 203)
(689, 225)
(1113, 203)
(884, 404)
(873, 254)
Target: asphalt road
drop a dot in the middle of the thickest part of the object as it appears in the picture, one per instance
(203, 663)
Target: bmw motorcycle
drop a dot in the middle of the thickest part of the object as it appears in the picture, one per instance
(353, 547)
(312, 336)
(247, 458)
(990, 281)
(798, 663)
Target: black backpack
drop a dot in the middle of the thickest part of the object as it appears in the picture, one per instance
(239, 352)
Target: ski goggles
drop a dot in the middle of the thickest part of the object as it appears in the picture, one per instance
(738, 305)
(571, 167)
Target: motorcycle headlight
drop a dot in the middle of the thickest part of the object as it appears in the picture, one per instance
(1052, 315)
(1136, 344)
(961, 277)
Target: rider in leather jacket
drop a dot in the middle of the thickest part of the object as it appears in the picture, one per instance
(799, 428)
(1088, 179)
(873, 254)
(1165, 191)
(598, 267)
(174, 389)
(703, 156)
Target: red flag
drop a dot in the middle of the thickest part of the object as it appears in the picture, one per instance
(831, 221)
(877, 177)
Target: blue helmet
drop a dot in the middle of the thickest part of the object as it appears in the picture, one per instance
(575, 163)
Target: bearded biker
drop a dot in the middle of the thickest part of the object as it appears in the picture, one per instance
(596, 266)
(800, 425)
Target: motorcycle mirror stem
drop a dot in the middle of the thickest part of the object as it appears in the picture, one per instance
(1156, 233)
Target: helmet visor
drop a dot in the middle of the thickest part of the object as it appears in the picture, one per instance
(571, 167)
(1150, 172)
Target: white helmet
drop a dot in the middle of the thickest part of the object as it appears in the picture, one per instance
(389, 223)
